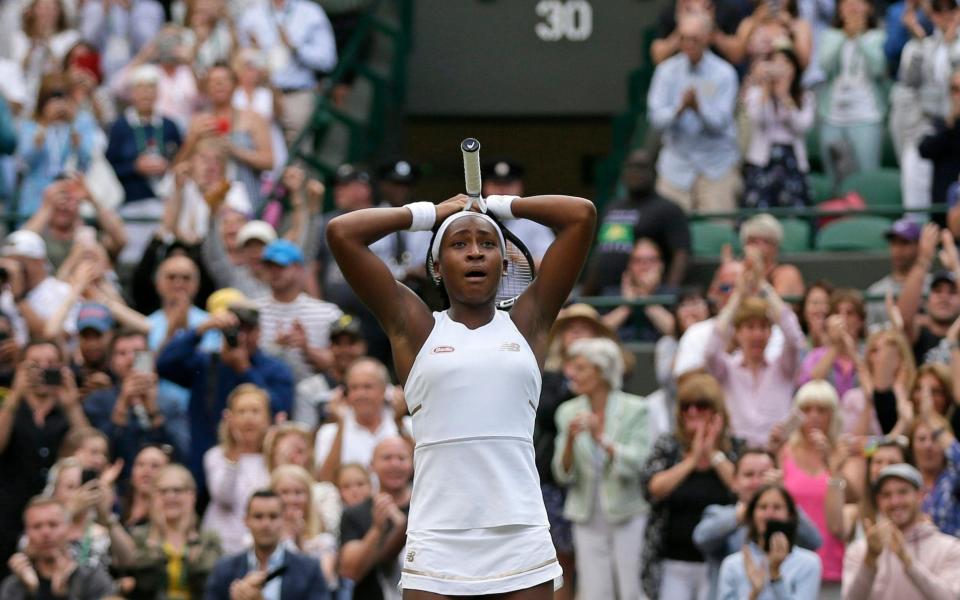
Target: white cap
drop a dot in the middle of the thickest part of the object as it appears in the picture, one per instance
(144, 74)
(256, 230)
(27, 244)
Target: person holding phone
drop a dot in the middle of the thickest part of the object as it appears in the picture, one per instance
(770, 565)
(270, 568)
(35, 417)
(130, 411)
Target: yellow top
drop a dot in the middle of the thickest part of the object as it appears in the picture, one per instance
(176, 582)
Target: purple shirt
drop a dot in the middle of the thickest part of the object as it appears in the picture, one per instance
(757, 400)
(842, 375)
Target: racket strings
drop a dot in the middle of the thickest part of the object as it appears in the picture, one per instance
(519, 274)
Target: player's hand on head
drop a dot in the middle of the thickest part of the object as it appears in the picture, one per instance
(451, 206)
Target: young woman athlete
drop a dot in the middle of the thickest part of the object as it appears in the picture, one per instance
(471, 374)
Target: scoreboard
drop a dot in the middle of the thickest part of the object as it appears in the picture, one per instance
(524, 57)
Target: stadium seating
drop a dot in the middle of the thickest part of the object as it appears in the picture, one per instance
(853, 233)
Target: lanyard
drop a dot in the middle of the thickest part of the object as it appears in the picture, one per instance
(140, 136)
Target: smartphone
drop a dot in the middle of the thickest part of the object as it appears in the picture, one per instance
(275, 573)
(143, 362)
(88, 475)
(793, 422)
(52, 377)
(788, 528)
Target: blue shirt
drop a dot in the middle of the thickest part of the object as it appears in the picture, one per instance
(942, 503)
(210, 343)
(313, 46)
(185, 363)
(799, 576)
(53, 156)
(898, 35)
(271, 591)
(695, 143)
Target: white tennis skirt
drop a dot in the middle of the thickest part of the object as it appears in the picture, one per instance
(469, 562)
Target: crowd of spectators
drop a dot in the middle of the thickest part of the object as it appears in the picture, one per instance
(196, 405)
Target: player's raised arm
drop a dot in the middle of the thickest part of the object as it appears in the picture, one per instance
(403, 315)
(574, 220)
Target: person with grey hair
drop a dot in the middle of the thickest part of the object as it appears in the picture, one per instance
(603, 440)
(763, 235)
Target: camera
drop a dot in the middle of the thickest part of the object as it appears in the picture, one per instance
(230, 335)
(52, 377)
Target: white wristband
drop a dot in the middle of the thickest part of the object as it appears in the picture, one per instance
(499, 206)
(424, 215)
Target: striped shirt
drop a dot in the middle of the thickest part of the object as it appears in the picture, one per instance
(276, 319)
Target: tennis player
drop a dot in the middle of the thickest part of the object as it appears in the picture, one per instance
(477, 525)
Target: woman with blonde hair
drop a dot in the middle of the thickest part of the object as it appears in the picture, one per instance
(172, 558)
(302, 524)
(291, 443)
(236, 467)
(604, 436)
(687, 470)
(814, 461)
(873, 408)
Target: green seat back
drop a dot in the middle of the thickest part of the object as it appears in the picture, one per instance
(854, 233)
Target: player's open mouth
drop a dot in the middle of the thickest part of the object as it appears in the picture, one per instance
(476, 275)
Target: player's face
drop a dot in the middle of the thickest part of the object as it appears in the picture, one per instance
(470, 261)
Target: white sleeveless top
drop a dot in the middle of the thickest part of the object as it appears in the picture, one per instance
(473, 395)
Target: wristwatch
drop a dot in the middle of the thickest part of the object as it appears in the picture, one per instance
(717, 458)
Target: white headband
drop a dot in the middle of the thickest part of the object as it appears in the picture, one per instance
(435, 248)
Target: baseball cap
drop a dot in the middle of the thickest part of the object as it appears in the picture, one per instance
(256, 230)
(502, 169)
(941, 276)
(96, 316)
(27, 244)
(346, 324)
(903, 471)
(283, 253)
(905, 229)
(223, 299)
(347, 173)
(399, 171)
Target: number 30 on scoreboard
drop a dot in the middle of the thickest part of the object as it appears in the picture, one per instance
(564, 19)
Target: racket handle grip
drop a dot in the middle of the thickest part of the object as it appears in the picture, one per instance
(471, 166)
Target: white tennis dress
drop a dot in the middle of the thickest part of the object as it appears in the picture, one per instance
(477, 523)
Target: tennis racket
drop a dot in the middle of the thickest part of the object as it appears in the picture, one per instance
(521, 269)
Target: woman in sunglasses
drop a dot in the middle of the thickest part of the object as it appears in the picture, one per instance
(686, 471)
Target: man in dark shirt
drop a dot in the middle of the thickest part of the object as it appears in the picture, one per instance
(641, 214)
(35, 417)
(374, 532)
(46, 569)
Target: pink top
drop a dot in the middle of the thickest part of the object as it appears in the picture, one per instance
(810, 492)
